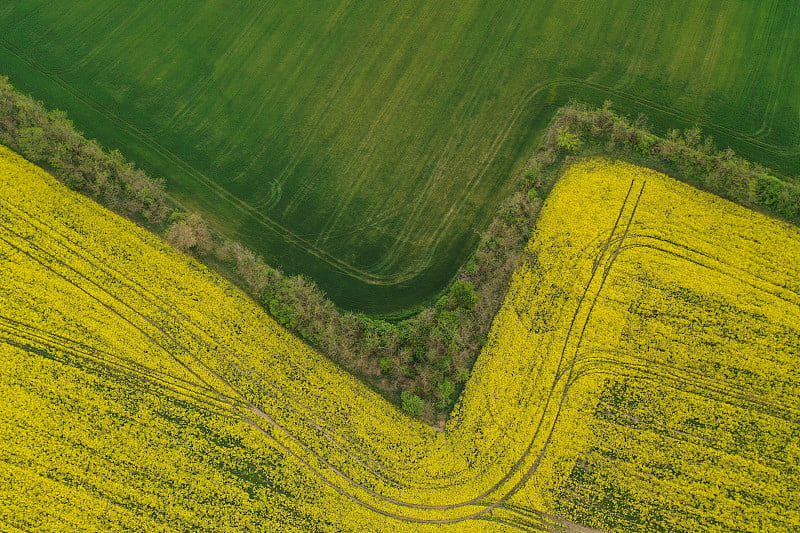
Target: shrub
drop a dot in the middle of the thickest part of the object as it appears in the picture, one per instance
(284, 313)
(568, 140)
(462, 295)
(190, 233)
(445, 388)
(412, 403)
(778, 196)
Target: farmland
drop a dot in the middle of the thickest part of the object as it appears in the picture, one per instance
(363, 144)
(640, 376)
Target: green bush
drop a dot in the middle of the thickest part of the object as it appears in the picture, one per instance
(568, 140)
(446, 388)
(462, 295)
(284, 313)
(412, 403)
(769, 190)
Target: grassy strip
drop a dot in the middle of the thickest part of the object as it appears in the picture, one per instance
(421, 362)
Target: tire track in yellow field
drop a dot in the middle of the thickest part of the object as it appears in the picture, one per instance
(198, 333)
(47, 263)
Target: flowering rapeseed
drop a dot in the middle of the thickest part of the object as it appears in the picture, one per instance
(638, 376)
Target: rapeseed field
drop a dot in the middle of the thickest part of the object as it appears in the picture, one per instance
(640, 376)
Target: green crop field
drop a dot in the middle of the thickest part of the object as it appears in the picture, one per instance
(367, 143)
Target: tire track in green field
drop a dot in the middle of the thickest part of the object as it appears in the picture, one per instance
(753, 75)
(109, 36)
(368, 142)
(522, 106)
(86, 27)
(366, 145)
(305, 143)
(180, 112)
(233, 201)
(223, 195)
(413, 220)
(372, 276)
(238, 43)
(772, 109)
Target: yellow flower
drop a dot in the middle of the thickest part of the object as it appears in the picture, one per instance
(640, 371)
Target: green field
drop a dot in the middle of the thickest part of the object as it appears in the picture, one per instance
(366, 144)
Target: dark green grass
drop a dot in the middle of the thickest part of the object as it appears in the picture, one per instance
(367, 144)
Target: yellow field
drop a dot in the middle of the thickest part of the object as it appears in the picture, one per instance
(640, 376)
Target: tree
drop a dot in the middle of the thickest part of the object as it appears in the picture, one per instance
(33, 143)
(190, 233)
(692, 136)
